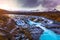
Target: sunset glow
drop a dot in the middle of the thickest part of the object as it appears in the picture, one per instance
(11, 5)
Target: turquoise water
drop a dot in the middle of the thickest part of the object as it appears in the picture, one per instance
(58, 36)
(49, 35)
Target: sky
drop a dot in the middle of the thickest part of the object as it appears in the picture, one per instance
(7, 4)
(12, 6)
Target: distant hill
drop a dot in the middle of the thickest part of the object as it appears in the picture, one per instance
(3, 11)
(50, 15)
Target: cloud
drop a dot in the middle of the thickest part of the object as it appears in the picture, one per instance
(13, 5)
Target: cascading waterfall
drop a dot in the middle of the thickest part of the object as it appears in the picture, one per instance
(47, 34)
